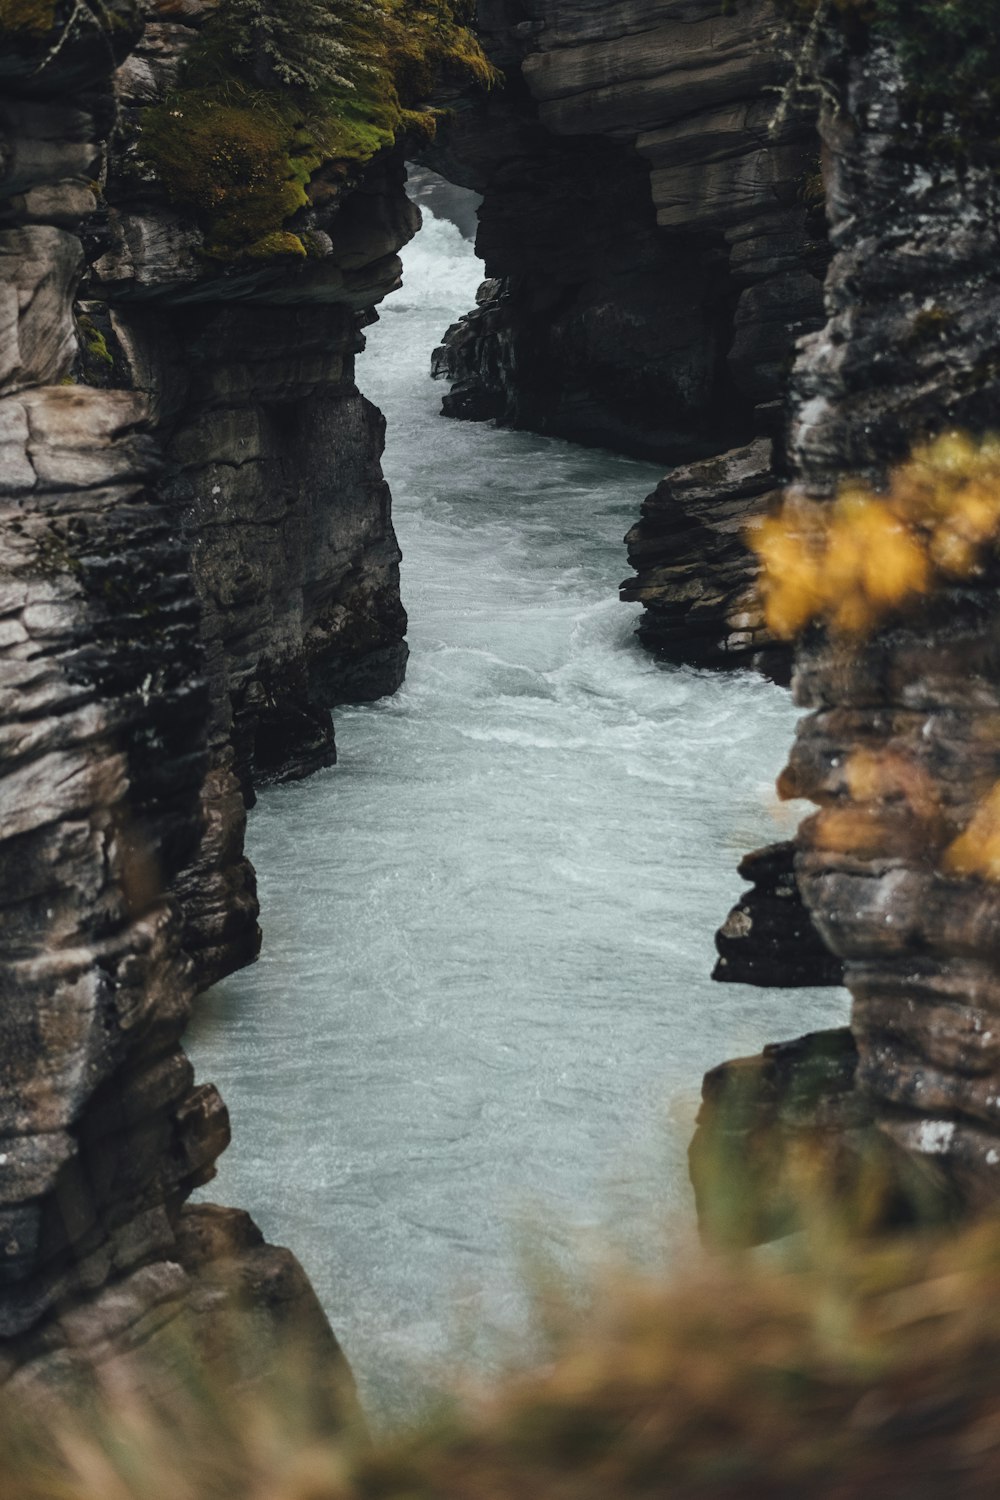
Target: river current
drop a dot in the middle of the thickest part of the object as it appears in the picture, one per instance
(477, 1031)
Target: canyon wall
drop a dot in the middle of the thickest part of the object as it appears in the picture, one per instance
(911, 348)
(653, 232)
(196, 562)
(272, 455)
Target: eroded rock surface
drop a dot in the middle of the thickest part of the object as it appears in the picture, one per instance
(104, 718)
(273, 474)
(653, 233)
(770, 938)
(695, 573)
(656, 241)
(911, 348)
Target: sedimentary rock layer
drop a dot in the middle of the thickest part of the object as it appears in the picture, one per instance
(104, 708)
(912, 347)
(695, 573)
(653, 230)
(272, 462)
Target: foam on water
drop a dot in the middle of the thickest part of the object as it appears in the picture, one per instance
(488, 931)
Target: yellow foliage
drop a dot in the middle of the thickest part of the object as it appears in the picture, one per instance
(852, 563)
(977, 850)
(888, 775)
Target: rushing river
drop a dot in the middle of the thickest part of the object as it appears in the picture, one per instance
(483, 1007)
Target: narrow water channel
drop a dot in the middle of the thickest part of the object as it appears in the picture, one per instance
(483, 1007)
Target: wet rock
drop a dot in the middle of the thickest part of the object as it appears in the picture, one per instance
(911, 347)
(656, 245)
(696, 576)
(769, 938)
(108, 795)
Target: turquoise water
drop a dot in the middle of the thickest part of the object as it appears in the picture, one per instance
(483, 1007)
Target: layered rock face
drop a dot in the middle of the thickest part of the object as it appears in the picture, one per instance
(695, 573)
(912, 347)
(104, 708)
(653, 231)
(273, 474)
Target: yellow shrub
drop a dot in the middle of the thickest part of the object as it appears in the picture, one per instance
(853, 562)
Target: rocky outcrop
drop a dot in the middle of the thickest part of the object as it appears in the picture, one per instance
(273, 476)
(695, 573)
(912, 347)
(792, 1109)
(653, 230)
(657, 247)
(104, 715)
(769, 938)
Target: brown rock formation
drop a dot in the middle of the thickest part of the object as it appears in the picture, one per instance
(104, 708)
(912, 347)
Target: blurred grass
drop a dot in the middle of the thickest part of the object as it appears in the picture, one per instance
(827, 1366)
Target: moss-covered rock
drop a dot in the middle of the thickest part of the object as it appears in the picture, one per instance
(236, 147)
(27, 18)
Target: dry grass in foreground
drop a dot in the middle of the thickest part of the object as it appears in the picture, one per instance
(826, 1369)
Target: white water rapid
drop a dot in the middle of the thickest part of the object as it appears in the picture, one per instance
(484, 996)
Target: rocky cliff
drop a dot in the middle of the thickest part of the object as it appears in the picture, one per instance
(911, 348)
(653, 230)
(105, 710)
(272, 455)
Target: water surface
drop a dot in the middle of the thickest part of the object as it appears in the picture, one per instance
(483, 999)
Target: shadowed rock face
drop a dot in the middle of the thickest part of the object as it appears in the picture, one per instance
(105, 709)
(770, 937)
(694, 572)
(656, 244)
(272, 476)
(446, 200)
(912, 346)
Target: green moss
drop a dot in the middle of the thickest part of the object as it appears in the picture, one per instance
(276, 246)
(94, 341)
(28, 18)
(56, 548)
(227, 162)
(240, 155)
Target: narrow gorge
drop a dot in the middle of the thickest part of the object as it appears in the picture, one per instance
(730, 254)
(495, 915)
